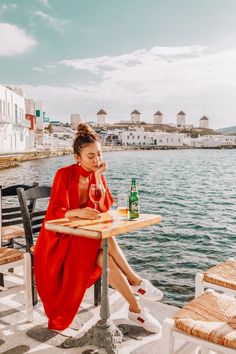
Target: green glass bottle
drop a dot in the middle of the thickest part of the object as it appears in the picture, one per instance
(133, 201)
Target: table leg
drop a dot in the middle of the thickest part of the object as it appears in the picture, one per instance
(104, 334)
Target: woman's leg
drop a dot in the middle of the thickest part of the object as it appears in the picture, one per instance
(118, 281)
(115, 251)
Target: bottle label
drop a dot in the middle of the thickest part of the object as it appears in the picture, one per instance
(133, 210)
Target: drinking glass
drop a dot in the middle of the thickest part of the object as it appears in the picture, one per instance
(122, 206)
(95, 194)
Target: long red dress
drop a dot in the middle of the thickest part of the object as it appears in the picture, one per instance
(65, 265)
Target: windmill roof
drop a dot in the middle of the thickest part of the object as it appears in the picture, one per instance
(102, 111)
(158, 113)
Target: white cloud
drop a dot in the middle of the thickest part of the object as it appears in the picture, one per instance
(143, 57)
(14, 40)
(193, 79)
(36, 68)
(57, 24)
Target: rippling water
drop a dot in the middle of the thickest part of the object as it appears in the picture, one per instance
(193, 190)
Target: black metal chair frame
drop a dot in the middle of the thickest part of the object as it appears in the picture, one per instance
(32, 222)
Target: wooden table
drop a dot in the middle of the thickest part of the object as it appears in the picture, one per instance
(104, 333)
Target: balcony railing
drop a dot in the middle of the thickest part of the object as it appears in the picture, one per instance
(24, 123)
(9, 119)
(6, 119)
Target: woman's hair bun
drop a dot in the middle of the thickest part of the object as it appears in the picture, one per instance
(84, 129)
(85, 135)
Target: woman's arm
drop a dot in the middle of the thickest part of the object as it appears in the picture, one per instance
(83, 213)
(106, 200)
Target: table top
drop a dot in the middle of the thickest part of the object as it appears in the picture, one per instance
(106, 226)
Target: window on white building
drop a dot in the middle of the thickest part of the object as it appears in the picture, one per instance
(128, 137)
(138, 137)
(133, 137)
(4, 108)
(16, 112)
(144, 137)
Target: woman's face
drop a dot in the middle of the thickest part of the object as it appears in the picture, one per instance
(90, 156)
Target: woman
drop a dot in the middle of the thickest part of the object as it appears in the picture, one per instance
(65, 265)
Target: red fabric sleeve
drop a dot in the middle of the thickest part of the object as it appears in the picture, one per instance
(108, 197)
(59, 199)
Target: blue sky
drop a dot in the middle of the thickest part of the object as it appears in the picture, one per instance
(82, 55)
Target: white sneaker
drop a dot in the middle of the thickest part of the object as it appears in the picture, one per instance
(145, 320)
(147, 290)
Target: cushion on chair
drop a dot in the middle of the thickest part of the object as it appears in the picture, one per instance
(8, 255)
(223, 274)
(13, 231)
(211, 316)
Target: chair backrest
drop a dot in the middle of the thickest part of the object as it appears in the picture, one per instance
(10, 213)
(32, 220)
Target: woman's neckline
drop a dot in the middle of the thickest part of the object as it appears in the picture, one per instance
(83, 172)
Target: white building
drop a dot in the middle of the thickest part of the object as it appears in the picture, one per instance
(16, 89)
(213, 141)
(136, 137)
(158, 118)
(101, 117)
(181, 119)
(135, 117)
(141, 137)
(14, 128)
(75, 119)
(168, 139)
(30, 106)
(204, 123)
(40, 116)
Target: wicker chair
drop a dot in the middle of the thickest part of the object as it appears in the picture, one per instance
(10, 218)
(206, 323)
(11, 229)
(11, 258)
(221, 277)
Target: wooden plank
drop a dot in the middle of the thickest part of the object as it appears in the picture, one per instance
(106, 226)
(69, 230)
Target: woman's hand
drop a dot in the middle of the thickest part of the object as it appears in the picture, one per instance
(102, 168)
(84, 213)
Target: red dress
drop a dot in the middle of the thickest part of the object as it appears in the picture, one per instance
(65, 265)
